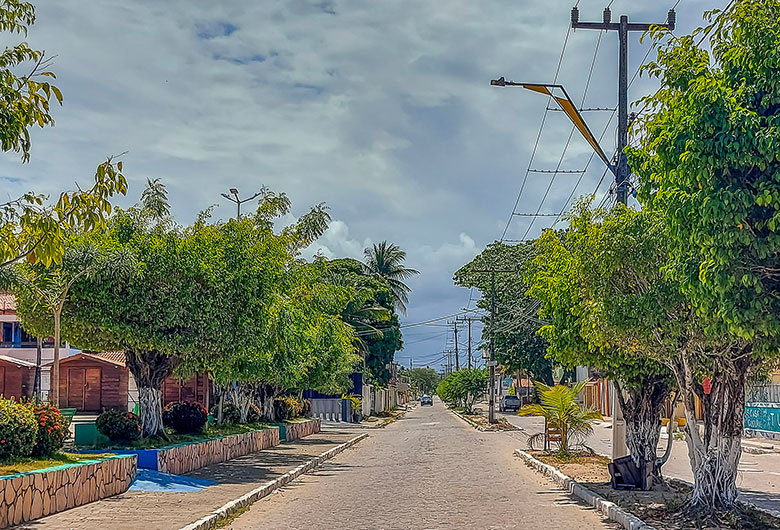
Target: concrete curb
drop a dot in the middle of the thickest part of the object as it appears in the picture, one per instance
(611, 510)
(210, 521)
(470, 422)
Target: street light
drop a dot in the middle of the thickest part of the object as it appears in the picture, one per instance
(237, 200)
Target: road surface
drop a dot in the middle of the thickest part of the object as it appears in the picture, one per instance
(428, 470)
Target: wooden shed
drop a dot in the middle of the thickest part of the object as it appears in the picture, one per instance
(17, 378)
(93, 382)
(197, 389)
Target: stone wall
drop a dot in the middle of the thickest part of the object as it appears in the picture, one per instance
(297, 430)
(181, 459)
(28, 496)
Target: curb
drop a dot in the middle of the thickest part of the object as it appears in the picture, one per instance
(210, 521)
(611, 510)
(470, 422)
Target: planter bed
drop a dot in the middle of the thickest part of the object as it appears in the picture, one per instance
(34, 494)
(182, 458)
(296, 429)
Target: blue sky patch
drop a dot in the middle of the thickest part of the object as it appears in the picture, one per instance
(213, 30)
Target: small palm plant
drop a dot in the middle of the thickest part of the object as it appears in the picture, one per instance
(560, 409)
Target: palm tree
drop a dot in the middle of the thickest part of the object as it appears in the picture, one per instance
(561, 411)
(386, 261)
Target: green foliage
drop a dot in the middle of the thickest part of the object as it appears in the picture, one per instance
(558, 405)
(33, 230)
(385, 260)
(463, 388)
(119, 425)
(516, 343)
(185, 417)
(52, 430)
(709, 163)
(18, 429)
(232, 416)
(287, 408)
(421, 380)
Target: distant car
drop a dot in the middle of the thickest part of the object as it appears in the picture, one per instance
(426, 400)
(509, 403)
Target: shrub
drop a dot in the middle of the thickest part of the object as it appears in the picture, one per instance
(185, 417)
(305, 408)
(287, 408)
(52, 430)
(231, 414)
(119, 425)
(18, 429)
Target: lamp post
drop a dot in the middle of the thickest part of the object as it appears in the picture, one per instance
(237, 200)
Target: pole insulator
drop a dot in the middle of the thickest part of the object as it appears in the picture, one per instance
(671, 19)
(607, 15)
(575, 15)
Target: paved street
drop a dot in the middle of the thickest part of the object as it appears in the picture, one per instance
(759, 475)
(427, 470)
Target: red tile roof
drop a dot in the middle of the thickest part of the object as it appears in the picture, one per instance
(116, 357)
(7, 302)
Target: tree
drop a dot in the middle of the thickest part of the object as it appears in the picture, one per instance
(707, 161)
(463, 387)
(386, 261)
(497, 272)
(421, 380)
(559, 407)
(592, 280)
(41, 293)
(370, 311)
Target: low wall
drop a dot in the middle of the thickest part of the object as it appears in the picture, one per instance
(181, 459)
(29, 496)
(299, 429)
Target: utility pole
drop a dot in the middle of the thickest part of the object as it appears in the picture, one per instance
(457, 354)
(468, 321)
(238, 201)
(491, 361)
(623, 28)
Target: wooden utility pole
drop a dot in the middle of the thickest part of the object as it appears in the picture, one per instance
(457, 354)
(468, 321)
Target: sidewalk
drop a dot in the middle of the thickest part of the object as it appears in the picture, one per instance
(759, 474)
(175, 504)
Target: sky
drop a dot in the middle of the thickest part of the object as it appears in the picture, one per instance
(382, 110)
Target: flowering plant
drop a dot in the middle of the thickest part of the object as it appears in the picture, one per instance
(18, 429)
(52, 430)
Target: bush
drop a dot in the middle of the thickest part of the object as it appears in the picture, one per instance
(305, 408)
(18, 429)
(287, 408)
(52, 430)
(185, 417)
(119, 425)
(231, 414)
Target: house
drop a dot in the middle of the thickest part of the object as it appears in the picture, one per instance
(94, 382)
(17, 378)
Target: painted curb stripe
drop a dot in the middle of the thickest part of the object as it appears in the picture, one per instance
(210, 521)
(611, 510)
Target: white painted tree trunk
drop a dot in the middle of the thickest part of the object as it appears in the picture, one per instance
(150, 404)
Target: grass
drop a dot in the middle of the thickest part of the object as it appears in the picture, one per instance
(23, 465)
(223, 523)
(212, 431)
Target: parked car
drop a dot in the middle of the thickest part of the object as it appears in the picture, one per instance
(509, 403)
(426, 400)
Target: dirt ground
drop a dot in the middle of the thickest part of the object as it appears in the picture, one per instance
(663, 507)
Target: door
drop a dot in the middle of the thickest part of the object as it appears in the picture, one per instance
(92, 399)
(75, 393)
(2, 381)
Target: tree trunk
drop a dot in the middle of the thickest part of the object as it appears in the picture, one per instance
(715, 453)
(54, 375)
(38, 355)
(265, 395)
(642, 413)
(150, 369)
(547, 376)
(242, 399)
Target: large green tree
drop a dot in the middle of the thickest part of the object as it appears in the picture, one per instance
(708, 160)
(588, 281)
(386, 260)
(498, 273)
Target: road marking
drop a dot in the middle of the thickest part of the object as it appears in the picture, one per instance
(432, 423)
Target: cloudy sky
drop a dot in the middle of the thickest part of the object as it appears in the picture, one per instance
(383, 110)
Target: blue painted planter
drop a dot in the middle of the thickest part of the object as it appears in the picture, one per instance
(147, 458)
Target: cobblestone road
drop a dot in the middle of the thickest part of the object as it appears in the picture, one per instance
(428, 470)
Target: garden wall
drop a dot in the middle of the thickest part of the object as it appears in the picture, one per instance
(299, 429)
(28, 496)
(181, 459)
